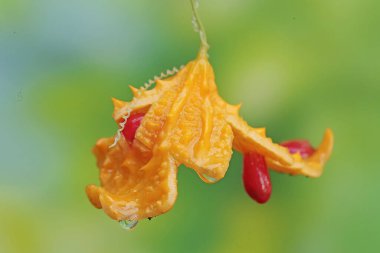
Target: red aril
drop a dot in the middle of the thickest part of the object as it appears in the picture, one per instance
(299, 146)
(131, 126)
(256, 177)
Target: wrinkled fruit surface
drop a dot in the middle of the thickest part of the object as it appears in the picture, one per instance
(256, 177)
(185, 122)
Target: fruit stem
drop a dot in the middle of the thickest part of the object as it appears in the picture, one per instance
(199, 28)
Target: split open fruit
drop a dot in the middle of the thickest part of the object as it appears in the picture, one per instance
(184, 121)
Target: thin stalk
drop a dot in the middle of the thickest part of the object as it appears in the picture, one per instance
(198, 27)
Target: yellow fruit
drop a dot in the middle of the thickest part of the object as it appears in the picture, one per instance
(186, 122)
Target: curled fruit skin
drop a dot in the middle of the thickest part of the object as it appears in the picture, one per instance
(311, 166)
(185, 122)
(256, 177)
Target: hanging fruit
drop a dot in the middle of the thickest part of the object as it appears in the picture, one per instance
(183, 120)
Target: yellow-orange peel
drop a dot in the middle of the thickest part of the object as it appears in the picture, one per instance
(186, 122)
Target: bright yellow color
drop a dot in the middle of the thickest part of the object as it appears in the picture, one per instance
(186, 122)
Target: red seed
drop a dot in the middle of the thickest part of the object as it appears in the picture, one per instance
(256, 177)
(299, 146)
(131, 126)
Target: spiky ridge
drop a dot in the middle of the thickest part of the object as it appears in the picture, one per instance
(146, 86)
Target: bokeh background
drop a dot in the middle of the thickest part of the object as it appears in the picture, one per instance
(298, 67)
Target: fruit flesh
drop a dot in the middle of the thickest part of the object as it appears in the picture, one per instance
(130, 128)
(302, 147)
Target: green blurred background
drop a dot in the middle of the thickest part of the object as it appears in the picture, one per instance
(298, 67)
